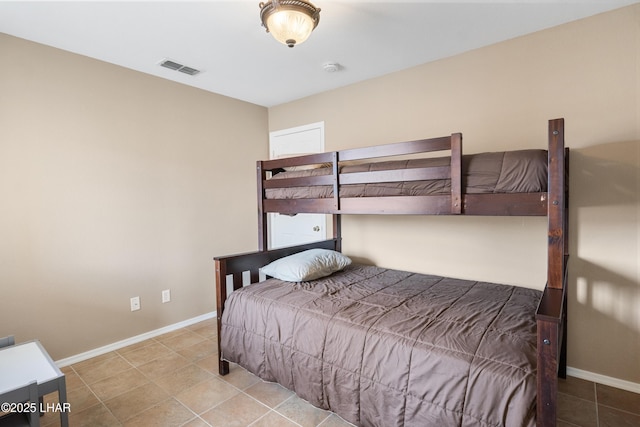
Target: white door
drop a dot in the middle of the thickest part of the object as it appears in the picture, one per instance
(285, 230)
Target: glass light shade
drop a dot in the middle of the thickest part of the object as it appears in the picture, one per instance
(289, 21)
(290, 27)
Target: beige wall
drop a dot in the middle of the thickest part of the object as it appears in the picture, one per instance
(501, 97)
(115, 184)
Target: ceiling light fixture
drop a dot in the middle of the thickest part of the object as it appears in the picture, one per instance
(289, 21)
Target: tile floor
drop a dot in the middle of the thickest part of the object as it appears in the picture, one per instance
(587, 404)
(172, 380)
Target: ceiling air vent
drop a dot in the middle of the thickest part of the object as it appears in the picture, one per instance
(172, 65)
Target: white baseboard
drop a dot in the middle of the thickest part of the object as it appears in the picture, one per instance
(133, 340)
(603, 379)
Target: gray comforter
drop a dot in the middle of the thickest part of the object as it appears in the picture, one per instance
(389, 348)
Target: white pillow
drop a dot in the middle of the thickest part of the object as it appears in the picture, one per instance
(307, 265)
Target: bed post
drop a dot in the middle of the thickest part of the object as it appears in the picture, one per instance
(262, 215)
(556, 204)
(551, 313)
(337, 231)
(562, 369)
(221, 297)
(456, 173)
(336, 182)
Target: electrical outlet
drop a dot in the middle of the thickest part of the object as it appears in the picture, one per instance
(135, 303)
(166, 295)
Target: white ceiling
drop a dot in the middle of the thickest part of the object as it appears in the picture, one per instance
(239, 60)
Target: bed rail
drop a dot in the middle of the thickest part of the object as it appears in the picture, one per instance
(426, 205)
(455, 203)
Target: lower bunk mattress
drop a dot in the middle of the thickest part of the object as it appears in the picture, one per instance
(384, 347)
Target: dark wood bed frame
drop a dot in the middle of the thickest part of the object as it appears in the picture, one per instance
(551, 316)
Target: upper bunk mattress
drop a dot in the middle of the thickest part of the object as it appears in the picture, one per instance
(522, 171)
(385, 347)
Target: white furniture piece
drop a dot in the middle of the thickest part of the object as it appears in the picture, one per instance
(26, 362)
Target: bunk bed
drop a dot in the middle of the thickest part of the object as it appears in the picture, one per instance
(348, 182)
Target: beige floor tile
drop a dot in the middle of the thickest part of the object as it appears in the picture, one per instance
(97, 359)
(335, 421)
(239, 377)
(186, 339)
(137, 345)
(183, 379)
(273, 419)
(133, 402)
(239, 411)
(163, 365)
(210, 363)
(91, 373)
(205, 330)
(169, 413)
(206, 395)
(72, 379)
(65, 369)
(610, 417)
(579, 388)
(576, 411)
(141, 355)
(302, 412)
(115, 385)
(619, 399)
(171, 334)
(95, 416)
(196, 422)
(79, 398)
(270, 394)
(199, 350)
(209, 323)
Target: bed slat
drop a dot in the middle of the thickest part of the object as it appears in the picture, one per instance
(397, 205)
(506, 204)
(397, 149)
(294, 206)
(310, 159)
(302, 181)
(397, 175)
